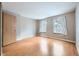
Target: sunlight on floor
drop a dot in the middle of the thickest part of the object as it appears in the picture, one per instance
(44, 46)
(57, 49)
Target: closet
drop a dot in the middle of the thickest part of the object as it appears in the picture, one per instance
(9, 28)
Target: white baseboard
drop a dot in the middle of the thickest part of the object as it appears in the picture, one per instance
(60, 39)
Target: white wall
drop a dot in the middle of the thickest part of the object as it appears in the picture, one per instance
(25, 28)
(77, 28)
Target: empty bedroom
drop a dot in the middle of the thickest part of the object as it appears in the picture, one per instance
(40, 29)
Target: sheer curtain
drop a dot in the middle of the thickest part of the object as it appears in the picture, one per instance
(59, 25)
(43, 26)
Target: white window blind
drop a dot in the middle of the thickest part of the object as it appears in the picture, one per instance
(43, 25)
(59, 25)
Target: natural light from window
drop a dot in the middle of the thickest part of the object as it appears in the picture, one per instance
(59, 25)
(43, 25)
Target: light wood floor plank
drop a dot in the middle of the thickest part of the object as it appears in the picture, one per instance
(40, 46)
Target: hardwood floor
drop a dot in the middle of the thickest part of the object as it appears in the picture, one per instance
(40, 46)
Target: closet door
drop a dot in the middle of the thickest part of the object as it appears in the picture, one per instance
(9, 29)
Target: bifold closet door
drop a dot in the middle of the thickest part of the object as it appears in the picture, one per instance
(9, 29)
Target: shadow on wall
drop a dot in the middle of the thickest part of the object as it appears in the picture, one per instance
(25, 27)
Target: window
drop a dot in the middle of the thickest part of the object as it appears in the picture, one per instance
(43, 25)
(59, 25)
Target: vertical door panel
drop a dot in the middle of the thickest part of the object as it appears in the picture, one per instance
(9, 35)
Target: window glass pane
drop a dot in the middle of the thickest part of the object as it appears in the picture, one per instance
(43, 25)
(59, 25)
